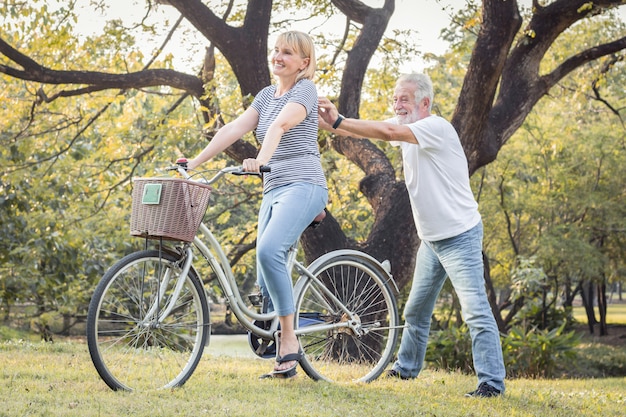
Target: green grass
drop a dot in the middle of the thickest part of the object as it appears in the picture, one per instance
(9, 333)
(58, 379)
(616, 314)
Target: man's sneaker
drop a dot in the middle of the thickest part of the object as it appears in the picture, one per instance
(484, 391)
(392, 373)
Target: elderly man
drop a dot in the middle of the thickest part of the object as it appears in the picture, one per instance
(448, 224)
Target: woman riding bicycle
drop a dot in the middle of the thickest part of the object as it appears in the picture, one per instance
(284, 116)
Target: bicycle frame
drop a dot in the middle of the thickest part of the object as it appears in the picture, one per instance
(221, 267)
(216, 258)
(213, 253)
(149, 315)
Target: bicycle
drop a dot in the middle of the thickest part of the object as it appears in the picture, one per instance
(148, 319)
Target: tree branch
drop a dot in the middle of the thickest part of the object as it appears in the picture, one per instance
(596, 90)
(33, 71)
(244, 47)
(520, 85)
(580, 59)
(501, 21)
(353, 9)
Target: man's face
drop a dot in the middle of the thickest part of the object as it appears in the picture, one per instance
(404, 104)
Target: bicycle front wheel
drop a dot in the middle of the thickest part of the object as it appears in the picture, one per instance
(132, 343)
(357, 300)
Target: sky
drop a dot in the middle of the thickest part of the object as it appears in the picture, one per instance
(425, 17)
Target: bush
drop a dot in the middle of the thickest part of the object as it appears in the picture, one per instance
(537, 353)
(531, 354)
(451, 349)
(597, 361)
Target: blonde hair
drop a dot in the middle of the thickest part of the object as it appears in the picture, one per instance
(303, 45)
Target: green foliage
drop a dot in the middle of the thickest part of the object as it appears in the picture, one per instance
(10, 333)
(598, 361)
(555, 194)
(537, 353)
(536, 293)
(65, 201)
(530, 353)
(451, 349)
(64, 204)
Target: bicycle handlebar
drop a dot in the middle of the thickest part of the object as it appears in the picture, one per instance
(262, 169)
(181, 167)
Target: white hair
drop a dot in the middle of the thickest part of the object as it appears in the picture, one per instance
(423, 86)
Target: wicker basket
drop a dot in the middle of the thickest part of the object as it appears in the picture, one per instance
(168, 208)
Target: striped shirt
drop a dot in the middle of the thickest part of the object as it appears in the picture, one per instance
(297, 157)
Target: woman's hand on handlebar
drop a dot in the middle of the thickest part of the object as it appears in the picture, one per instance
(251, 165)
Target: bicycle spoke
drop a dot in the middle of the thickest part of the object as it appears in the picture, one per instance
(132, 351)
(345, 352)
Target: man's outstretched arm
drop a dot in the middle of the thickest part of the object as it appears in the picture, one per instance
(334, 122)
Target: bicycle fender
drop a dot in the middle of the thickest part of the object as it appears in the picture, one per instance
(383, 267)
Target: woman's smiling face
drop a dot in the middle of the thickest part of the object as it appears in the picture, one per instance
(286, 61)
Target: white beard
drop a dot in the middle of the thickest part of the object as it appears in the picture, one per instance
(406, 119)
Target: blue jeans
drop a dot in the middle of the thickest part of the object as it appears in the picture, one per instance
(284, 214)
(460, 258)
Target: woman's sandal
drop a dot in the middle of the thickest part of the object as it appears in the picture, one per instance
(291, 371)
(284, 373)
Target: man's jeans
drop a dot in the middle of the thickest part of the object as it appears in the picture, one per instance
(459, 258)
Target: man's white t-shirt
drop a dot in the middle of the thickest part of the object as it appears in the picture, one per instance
(437, 179)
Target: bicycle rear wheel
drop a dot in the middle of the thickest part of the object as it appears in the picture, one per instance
(361, 351)
(131, 344)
